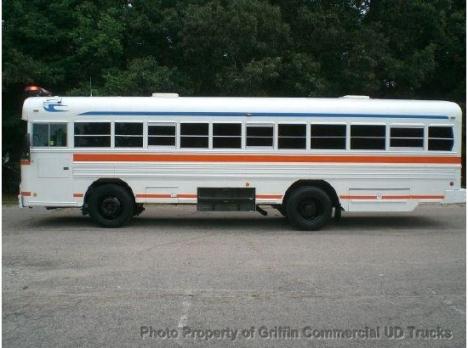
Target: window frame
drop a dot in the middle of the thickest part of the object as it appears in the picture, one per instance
(406, 125)
(111, 134)
(115, 135)
(454, 137)
(273, 125)
(164, 123)
(277, 136)
(48, 123)
(241, 136)
(208, 136)
(349, 135)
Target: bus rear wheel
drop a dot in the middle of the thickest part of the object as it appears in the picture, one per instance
(111, 205)
(309, 208)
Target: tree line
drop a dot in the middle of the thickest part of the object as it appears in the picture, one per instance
(296, 48)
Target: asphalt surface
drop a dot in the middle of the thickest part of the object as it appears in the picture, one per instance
(68, 283)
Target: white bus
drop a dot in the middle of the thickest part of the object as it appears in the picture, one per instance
(310, 158)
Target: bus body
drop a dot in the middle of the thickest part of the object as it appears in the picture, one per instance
(308, 157)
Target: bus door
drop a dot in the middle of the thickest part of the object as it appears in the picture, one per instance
(52, 162)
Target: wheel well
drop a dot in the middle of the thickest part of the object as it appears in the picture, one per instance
(104, 181)
(325, 186)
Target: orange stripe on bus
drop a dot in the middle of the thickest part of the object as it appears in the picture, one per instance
(186, 195)
(25, 193)
(77, 195)
(269, 196)
(155, 157)
(357, 197)
(25, 162)
(153, 195)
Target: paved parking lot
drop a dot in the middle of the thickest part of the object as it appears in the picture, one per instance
(185, 274)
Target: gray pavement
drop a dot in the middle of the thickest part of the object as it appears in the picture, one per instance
(68, 283)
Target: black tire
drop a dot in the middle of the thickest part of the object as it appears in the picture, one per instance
(111, 205)
(308, 208)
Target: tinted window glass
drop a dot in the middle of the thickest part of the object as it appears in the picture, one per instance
(291, 136)
(367, 144)
(194, 135)
(227, 135)
(58, 134)
(407, 137)
(191, 142)
(328, 143)
(328, 136)
(227, 129)
(41, 134)
(399, 132)
(194, 129)
(124, 141)
(260, 135)
(92, 128)
(127, 128)
(326, 130)
(291, 130)
(161, 141)
(227, 143)
(92, 134)
(367, 131)
(364, 137)
(440, 138)
(128, 134)
(162, 130)
(441, 132)
(95, 141)
(402, 142)
(50, 134)
(440, 145)
(259, 131)
(291, 143)
(162, 134)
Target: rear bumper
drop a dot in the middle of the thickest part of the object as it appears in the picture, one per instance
(454, 196)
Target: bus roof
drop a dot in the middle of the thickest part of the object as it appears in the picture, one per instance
(59, 107)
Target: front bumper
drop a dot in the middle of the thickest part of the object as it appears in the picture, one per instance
(454, 196)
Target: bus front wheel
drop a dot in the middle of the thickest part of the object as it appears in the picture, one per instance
(111, 205)
(309, 208)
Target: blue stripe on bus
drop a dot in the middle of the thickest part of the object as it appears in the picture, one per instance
(253, 114)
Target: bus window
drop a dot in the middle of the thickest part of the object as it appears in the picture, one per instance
(367, 137)
(260, 135)
(41, 134)
(403, 137)
(194, 135)
(50, 134)
(161, 134)
(128, 134)
(227, 136)
(328, 136)
(291, 136)
(92, 134)
(440, 138)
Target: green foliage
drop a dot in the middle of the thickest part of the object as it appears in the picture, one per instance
(143, 76)
(381, 48)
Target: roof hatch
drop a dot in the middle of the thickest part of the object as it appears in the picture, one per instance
(165, 95)
(356, 97)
